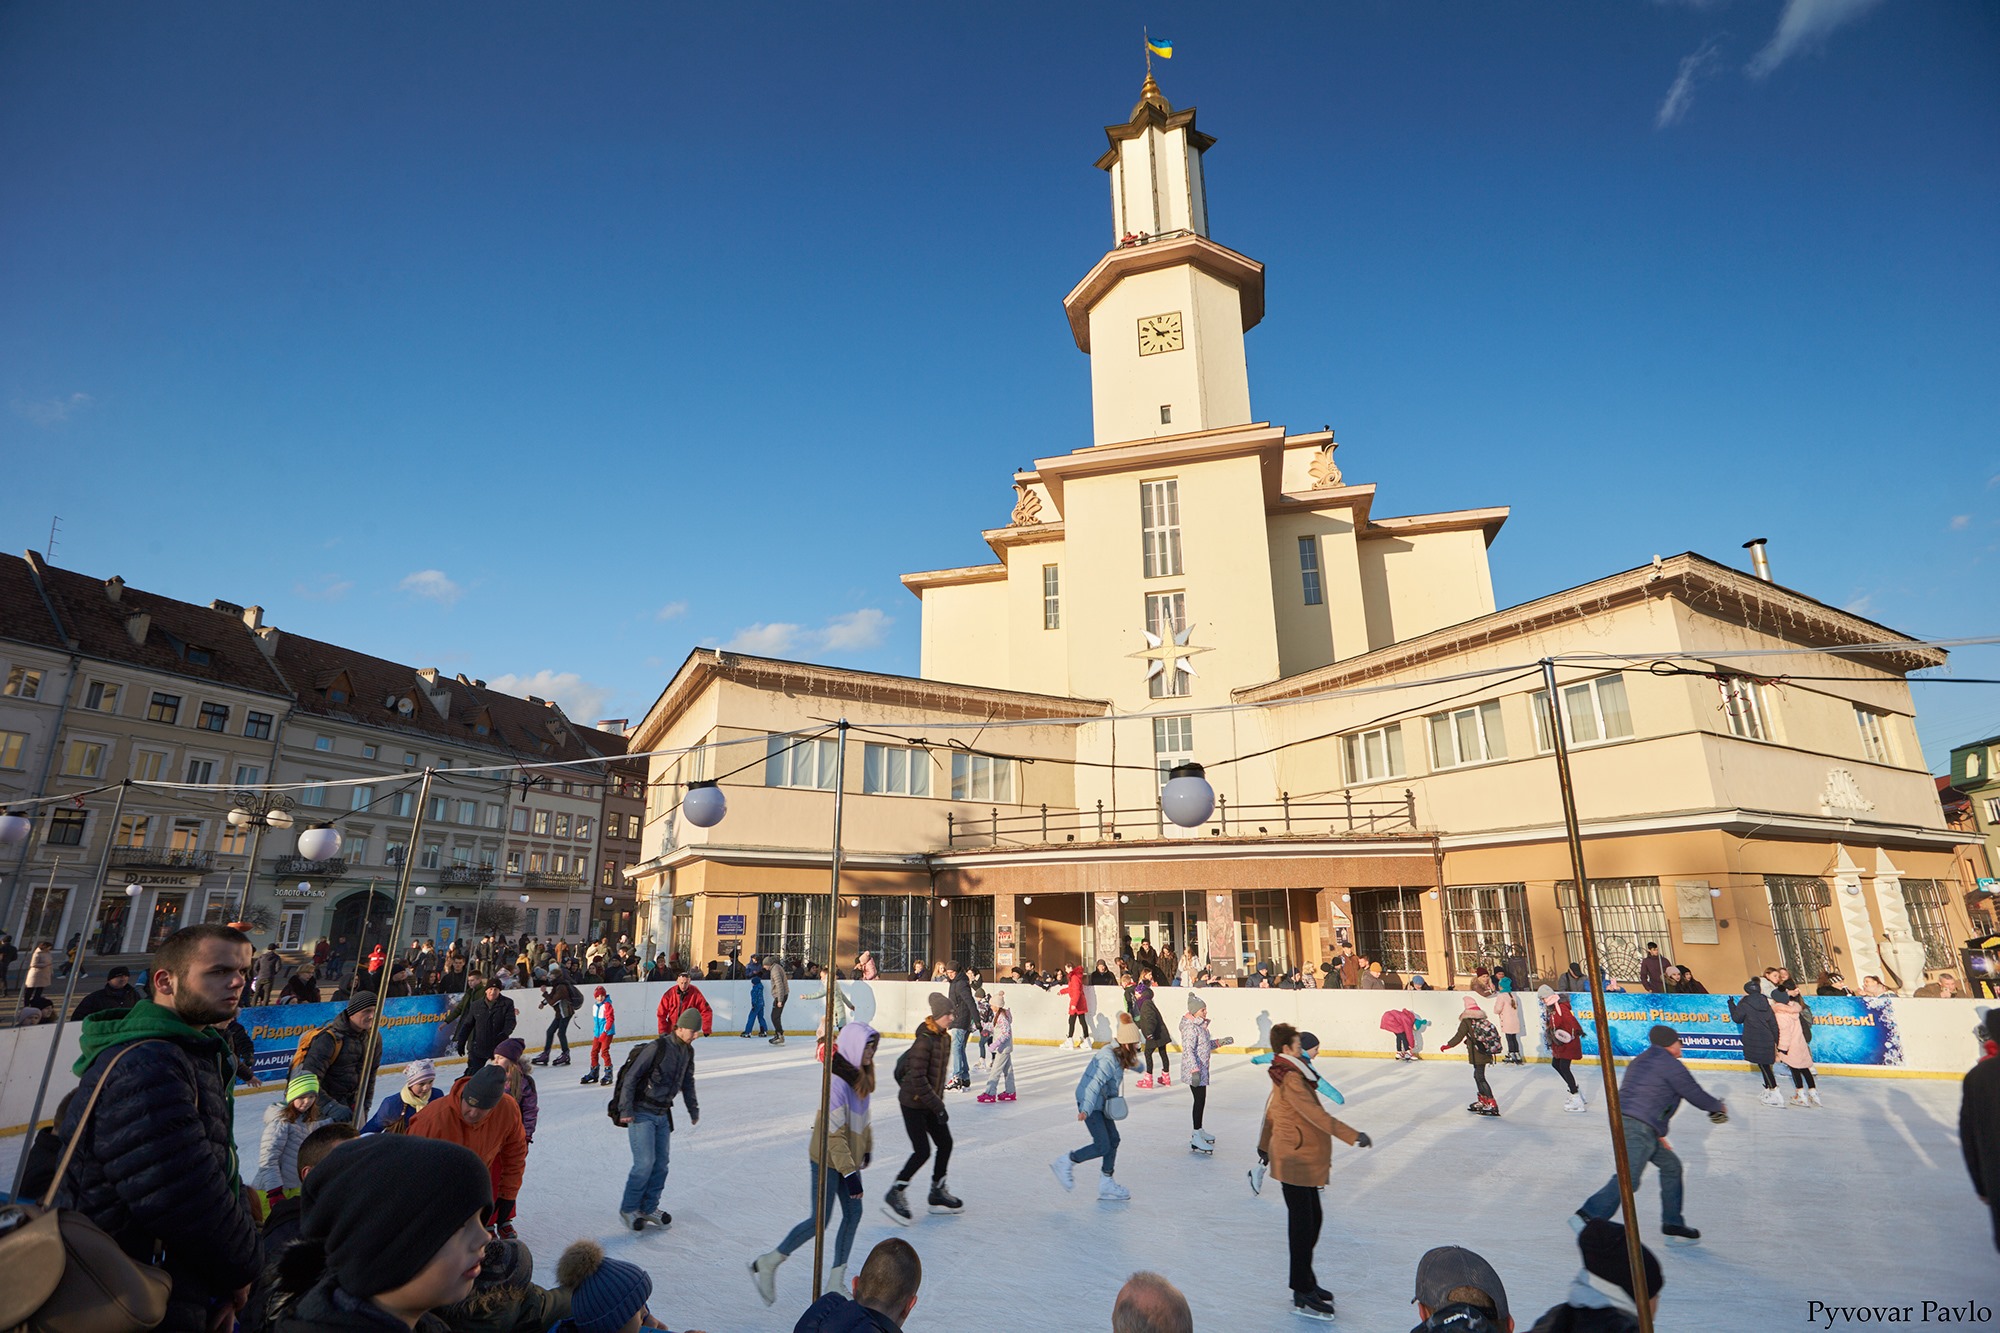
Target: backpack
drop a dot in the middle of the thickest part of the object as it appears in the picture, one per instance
(1485, 1036)
(305, 1044)
(902, 1068)
(1805, 1019)
(624, 1070)
(572, 996)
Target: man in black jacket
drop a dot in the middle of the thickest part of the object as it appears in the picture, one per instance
(660, 1071)
(1979, 1132)
(489, 1020)
(116, 994)
(885, 1292)
(335, 1056)
(156, 1165)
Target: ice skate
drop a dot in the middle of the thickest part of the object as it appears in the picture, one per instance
(541, 1059)
(1257, 1174)
(658, 1218)
(1476, 1105)
(1576, 1105)
(1006, 1096)
(560, 1060)
(986, 1099)
(897, 1207)
(764, 1272)
(1772, 1097)
(1145, 1081)
(836, 1278)
(633, 1219)
(1205, 1137)
(1312, 1305)
(1201, 1145)
(505, 1231)
(1165, 1079)
(591, 1077)
(777, 1039)
(1681, 1235)
(943, 1201)
(1110, 1191)
(1578, 1220)
(1812, 1095)
(1799, 1099)
(1487, 1106)
(1065, 1171)
(1063, 1045)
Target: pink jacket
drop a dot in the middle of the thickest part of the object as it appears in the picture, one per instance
(1401, 1021)
(1793, 1048)
(1506, 1012)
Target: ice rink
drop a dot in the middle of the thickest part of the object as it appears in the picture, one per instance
(1863, 1202)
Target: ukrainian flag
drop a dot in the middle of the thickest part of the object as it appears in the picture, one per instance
(1160, 47)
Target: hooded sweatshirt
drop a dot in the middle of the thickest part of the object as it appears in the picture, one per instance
(850, 1139)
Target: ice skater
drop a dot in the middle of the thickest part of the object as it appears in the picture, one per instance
(1482, 1043)
(1402, 1025)
(1565, 1038)
(1077, 1034)
(1297, 1138)
(921, 1076)
(1795, 1044)
(781, 990)
(1153, 1032)
(1655, 1084)
(1507, 1017)
(755, 974)
(1753, 1013)
(603, 1027)
(1197, 1049)
(1100, 1107)
(1000, 1070)
(836, 1176)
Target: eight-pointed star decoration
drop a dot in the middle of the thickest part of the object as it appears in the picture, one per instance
(1168, 651)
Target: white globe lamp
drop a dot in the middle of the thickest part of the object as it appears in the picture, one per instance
(13, 829)
(1187, 799)
(704, 805)
(321, 842)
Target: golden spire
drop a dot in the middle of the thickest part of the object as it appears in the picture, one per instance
(1150, 95)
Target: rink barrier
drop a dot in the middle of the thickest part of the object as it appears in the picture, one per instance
(1931, 1038)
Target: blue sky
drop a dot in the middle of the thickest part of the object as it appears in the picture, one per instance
(547, 341)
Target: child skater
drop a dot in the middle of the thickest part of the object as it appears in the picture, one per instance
(1002, 1067)
(603, 1027)
(1153, 1028)
(1482, 1043)
(836, 1174)
(1565, 1036)
(1197, 1047)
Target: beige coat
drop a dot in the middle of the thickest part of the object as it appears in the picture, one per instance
(1298, 1133)
(41, 967)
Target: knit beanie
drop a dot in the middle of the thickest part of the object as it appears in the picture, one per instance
(1603, 1246)
(1472, 1006)
(511, 1049)
(360, 1004)
(506, 1262)
(689, 1021)
(486, 1087)
(1196, 1005)
(302, 1085)
(1308, 1043)
(1544, 993)
(1127, 1031)
(377, 1231)
(417, 1071)
(1662, 1035)
(604, 1293)
(940, 1005)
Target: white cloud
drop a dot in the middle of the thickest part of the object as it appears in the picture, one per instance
(329, 588)
(50, 411)
(848, 632)
(1681, 95)
(1960, 522)
(1861, 606)
(1804, 23)
(580, 699)
(432, 584)
(671, 611)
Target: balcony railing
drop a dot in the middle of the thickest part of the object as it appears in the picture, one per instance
(1286, 818)
(544, 879)
(296, 867)
(160, 858)
(466, 877)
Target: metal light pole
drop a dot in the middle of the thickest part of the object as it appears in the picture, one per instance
(69, 991)
(832, 998)
(371, 1049)
(1606, 1065)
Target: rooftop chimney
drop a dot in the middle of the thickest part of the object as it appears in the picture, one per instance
(114, 587)
(253, 616)
(1755, 546)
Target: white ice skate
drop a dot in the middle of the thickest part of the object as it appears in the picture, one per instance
(1204, 1146)
(836, 1279)
(1257, 1174)
(1576, 1104)
(1772, 1097)
(1799, 1099)
(1205, 1137)
(1110, 1191)
(764, 1272)
(1812, 1095)
(1065, 1171)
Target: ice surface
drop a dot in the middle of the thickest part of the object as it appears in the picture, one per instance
(1866, 1201)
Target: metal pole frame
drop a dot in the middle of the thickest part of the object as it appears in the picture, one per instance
(69, 991)
(832, 998)
(1606, 1064)
(371, 1051)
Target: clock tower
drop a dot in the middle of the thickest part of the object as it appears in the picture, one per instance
(1163, 314)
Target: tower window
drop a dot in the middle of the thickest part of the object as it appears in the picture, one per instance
(1309, 570)
(1166, 414)
(1051, 597)
(1160, 525)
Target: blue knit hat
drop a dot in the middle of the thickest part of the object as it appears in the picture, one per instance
(604, 1293)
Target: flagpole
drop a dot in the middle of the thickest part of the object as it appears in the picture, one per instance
(1146, 40)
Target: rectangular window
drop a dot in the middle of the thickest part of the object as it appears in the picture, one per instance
(213, 717)
(1160, 526)
(23, 682)
(1743, 707)
(355, 850)
(1798, 918)
(529, 916)
(1173, 743)
(66, 827)
(979, 777)
(561, 864)
(409, 759)
(575, 921)
(1373, 756)
(231, 840)
(1309, 570)
(468, 812)
(1993, 810)
(1483, 921)
(1874, 734)
(1051, 597)
(438, 808)
(792, 925)
(324, 744)
(1924, 902)
(461, 856)
(792, 762)
(1593, 711)
(432, 858)
(513, 863)
(370, 751)
(314, 793)
(1263, 933)
(541, 823)
(970, 927)
(403, 804)
(12, 745)
(562, 826)
(1166, 414)
(1389, 928)
(164, 708)
(101, 697)
(148, 765)
(583, 823)
(896, 929)
(248, 775)
(895, 770)
(632, 824)
(184, 835)
(493, 813)
(201, 771)
(1166, 621)
(257, 726)
(393, 852)
(607, 875)
(132, 831)
(487, 856)
(537, 862)
(1628, 914)
(363, 797)
(82, 759)
(519, 820)
(1467, 736)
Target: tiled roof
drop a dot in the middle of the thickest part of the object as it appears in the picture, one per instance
(24, 617)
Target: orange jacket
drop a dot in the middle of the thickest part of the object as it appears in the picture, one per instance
(499, 1139)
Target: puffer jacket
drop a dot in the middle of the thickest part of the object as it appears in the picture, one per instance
(924, 1075)
(1559, 1017)
(335, 1059)
(1752, 1012)
(1103, 1078)
(1152, 1026)
(156, 1165)
(1298, 1133)
(837, 1312)
(1197, 1047)
(278, 1154)
(1074, 989)
(514, 1307)
(662, 1070)
(1794, 1047)
(485, 1026)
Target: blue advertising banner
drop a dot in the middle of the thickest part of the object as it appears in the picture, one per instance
(412, 1029)
(1846, 1029)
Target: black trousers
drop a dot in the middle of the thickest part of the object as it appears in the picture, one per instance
(778, 1019)
(1562, 1070)
(1770, 1079)
(926, 1128)
(1161, 1047)
(558, 1029)
(1079, 1026)
(1200, 1104)
(1803, 1078)
(1302, 1223)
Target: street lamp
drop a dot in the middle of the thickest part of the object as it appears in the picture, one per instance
(258, 811)
(704, 805)
(14, 828)
(1187, 799)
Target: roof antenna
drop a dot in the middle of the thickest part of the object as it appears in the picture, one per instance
(50, 556)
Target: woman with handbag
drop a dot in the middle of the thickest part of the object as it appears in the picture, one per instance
(1565, 1038)
(1298, 1137)
(1100, 1107)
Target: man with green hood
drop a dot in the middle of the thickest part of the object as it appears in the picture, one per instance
(156, 1166)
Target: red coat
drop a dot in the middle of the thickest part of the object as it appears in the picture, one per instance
(676, 1000)
(1077, 1004)
(1560, 1017)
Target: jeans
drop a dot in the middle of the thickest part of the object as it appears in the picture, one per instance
(1103, 1142)
(558, 1028)
(925, 1128)
(1642, 1145)
(1302, 1222)
(826, 1182)
(649, 1134)
(778, 1019)
(959, 1072)
(1003, 1069)
(756, 1019)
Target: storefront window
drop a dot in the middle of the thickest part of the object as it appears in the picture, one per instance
(896, 928)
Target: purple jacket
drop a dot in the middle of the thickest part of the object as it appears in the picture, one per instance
(1655, 1084)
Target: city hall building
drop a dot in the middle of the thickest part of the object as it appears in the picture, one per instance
(1200, 585)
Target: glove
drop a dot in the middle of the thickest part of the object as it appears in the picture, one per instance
(866, 1158)
(1225, 1041)
(1720, 1117)
(1363, 1141)
(503, 1212)
(853, 1184)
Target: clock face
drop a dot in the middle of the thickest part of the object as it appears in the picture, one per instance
(1160, 333)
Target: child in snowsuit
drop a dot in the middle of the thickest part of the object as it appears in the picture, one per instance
(1153, 1028)
(1197, 1048)
(1482, 1043)
(603, 1027)
(1001, 1022)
